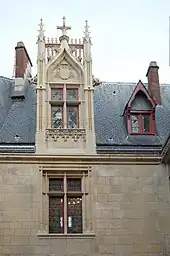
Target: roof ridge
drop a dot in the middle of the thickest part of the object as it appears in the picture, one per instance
(6, 78)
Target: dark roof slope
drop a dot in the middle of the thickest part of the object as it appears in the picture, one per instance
(18, 118)
(110, 100)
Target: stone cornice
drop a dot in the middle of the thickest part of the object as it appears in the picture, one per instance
(96, 159)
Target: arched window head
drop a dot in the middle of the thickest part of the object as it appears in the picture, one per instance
(140, 112)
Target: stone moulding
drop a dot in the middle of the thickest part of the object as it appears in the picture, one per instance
(65, 134)
(107, 159)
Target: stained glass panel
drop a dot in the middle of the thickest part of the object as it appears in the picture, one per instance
(72, 94)
(56, 216)
(74, 220)
(56, 185)
(74, 185)
(72, 116)
(135, 123)
(57, 94)
(57, 117)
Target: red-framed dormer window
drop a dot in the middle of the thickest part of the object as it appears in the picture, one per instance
(140, 112)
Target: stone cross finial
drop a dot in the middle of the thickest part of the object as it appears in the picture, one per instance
(86, 32)
(41, 29)
(64, 28)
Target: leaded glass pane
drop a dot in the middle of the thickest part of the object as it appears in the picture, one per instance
(72, 94)
(56, 185)
(74, 220)
(57, 117)
(146, 123)
(73, 185)
(57, 94)
(56, 216)
(72, 116)
(135, 123)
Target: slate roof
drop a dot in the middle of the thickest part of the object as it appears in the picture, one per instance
(18, 119)
(110, 100)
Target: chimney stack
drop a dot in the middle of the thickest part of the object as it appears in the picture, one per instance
(23, 63)
(23, 66)
(153, 82)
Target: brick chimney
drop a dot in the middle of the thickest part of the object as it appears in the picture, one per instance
(23, 63)
(153, 82)
(23, 66)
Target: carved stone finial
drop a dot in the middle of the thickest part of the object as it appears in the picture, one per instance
(86, 32)
(64, 28)
(41, 30)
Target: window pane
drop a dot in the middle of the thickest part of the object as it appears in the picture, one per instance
(57, 117)
(56, 216)
(72, 116)
(141, 102)
(74, 221)
(146, 123)
(56, 185)
(74, 185)
(57, 94)
(72, 94)
(135, 123)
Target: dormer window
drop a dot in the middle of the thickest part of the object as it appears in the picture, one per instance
(141, 112)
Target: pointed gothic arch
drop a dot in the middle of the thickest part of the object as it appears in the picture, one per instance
(64, 66)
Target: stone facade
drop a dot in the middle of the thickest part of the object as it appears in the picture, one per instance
(130, 213)
(124, 191)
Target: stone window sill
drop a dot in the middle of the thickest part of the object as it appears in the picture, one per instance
(83, 236)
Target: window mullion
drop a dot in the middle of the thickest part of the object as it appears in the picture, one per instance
(65, 107)
(65, 204)
(140, 120)
(84, 213)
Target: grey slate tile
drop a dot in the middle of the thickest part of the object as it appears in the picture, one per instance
(18, 118)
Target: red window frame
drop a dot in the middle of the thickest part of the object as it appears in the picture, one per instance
(140, 114)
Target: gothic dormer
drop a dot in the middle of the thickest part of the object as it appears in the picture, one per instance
(140, 112)
(65, 123)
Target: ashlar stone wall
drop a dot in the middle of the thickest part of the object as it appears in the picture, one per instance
(132, 210)
(130, 214)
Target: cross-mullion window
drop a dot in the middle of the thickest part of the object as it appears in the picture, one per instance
(71, 191)
(65, 108)
(141, 123)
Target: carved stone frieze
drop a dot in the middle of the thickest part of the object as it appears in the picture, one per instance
(65, 134)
